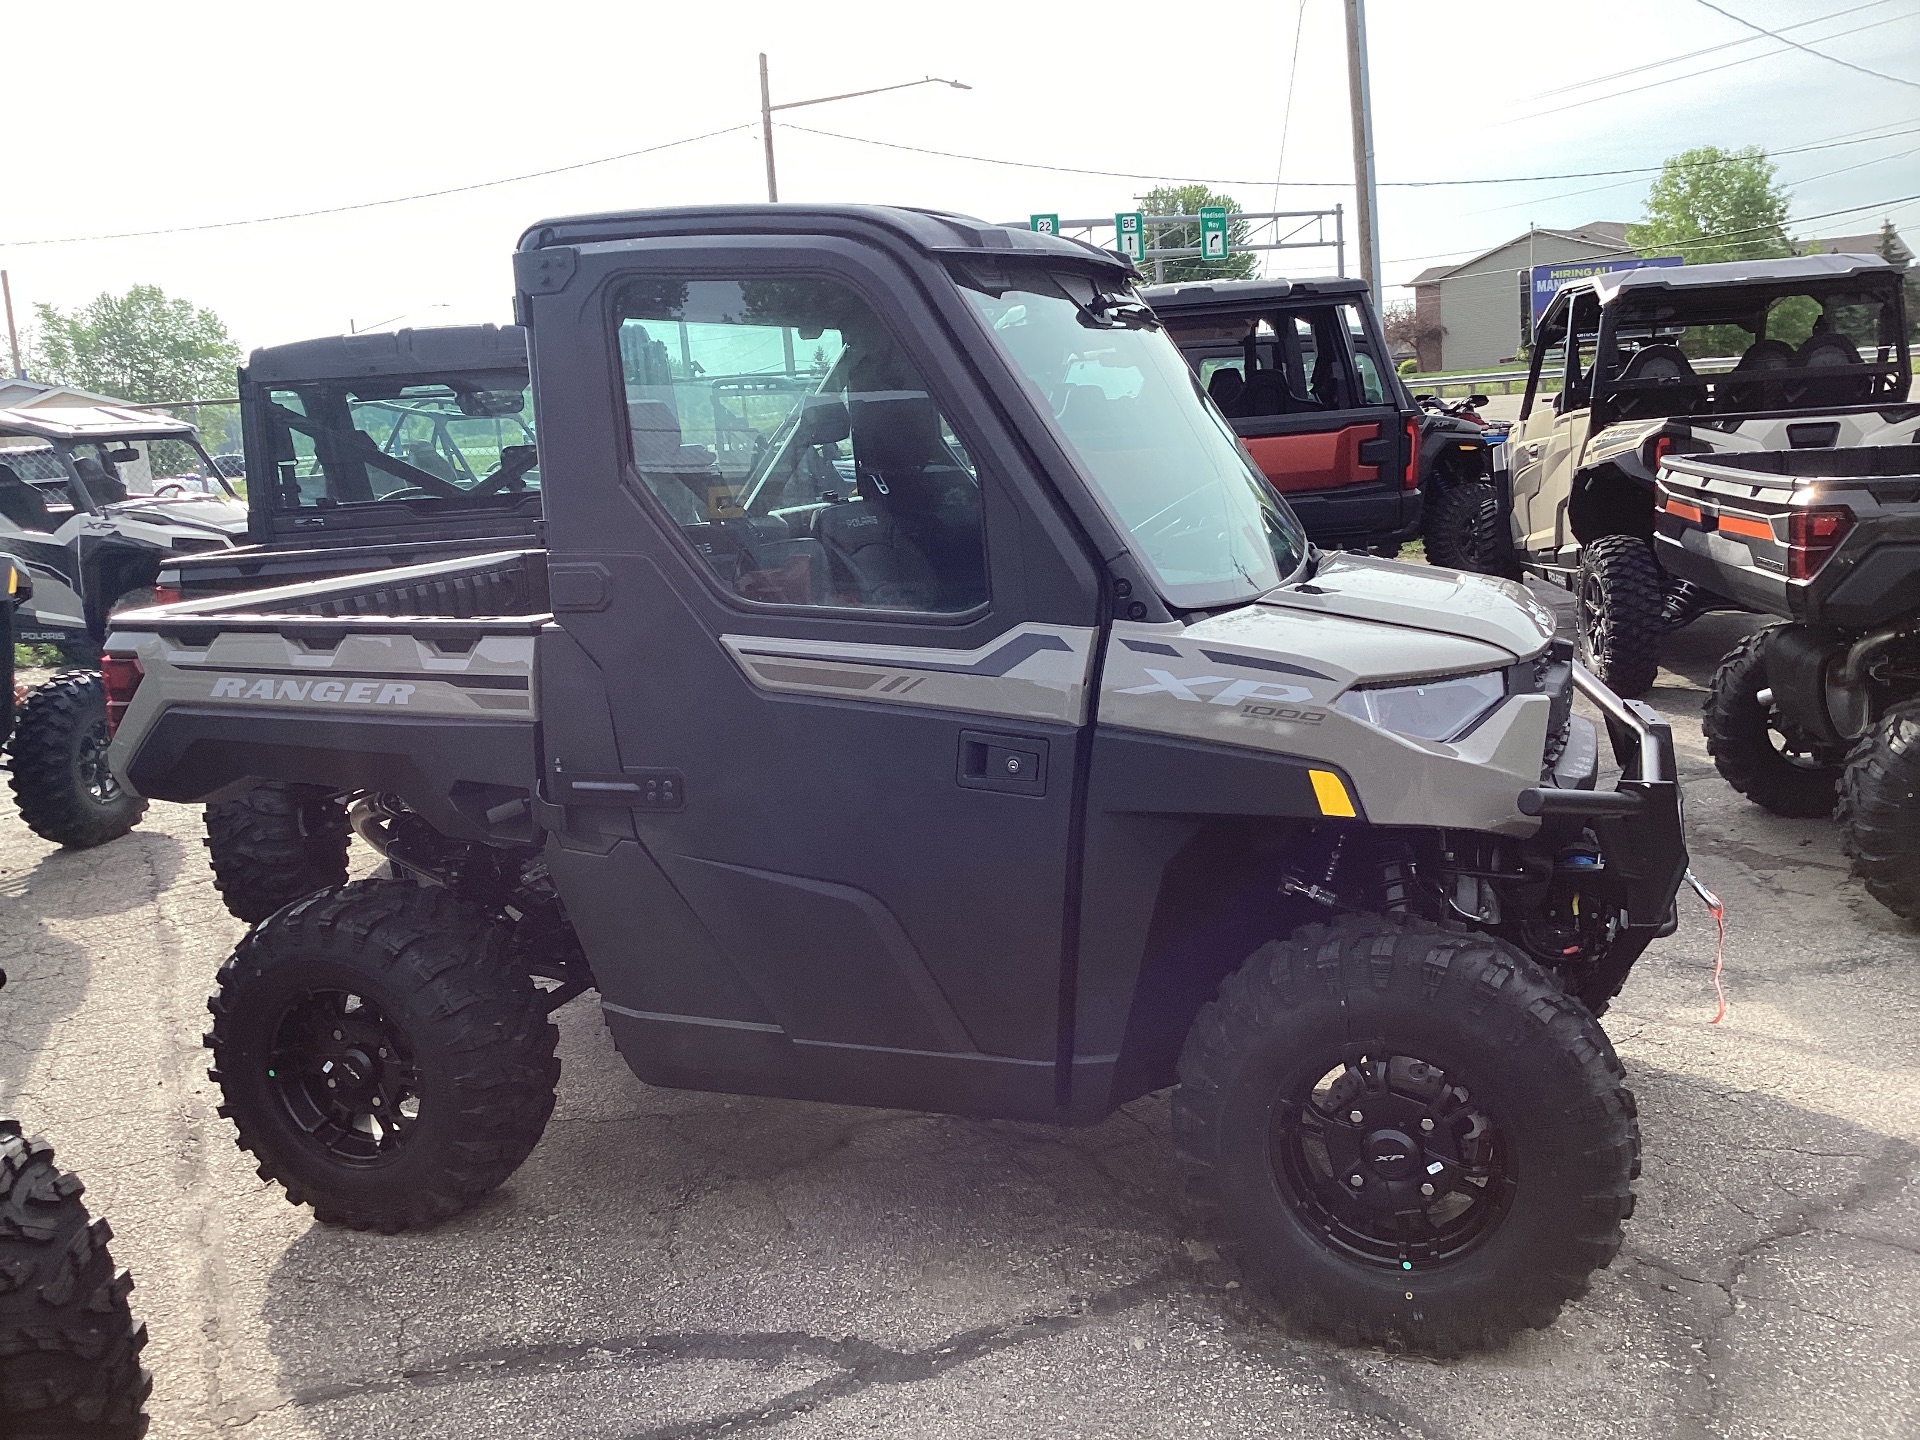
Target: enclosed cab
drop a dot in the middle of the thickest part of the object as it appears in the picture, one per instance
(1301, 371)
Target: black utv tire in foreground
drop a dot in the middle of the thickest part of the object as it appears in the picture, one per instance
(1751, 747)
(1880, 810)
(381, 1054)
(1461, 529)
(69, 1347)
(275, 844)
(62, 784)
(1406, 1134)
(1617, 613)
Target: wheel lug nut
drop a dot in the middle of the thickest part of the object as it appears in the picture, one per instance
(376, 1105)
(1355, 1116)
(1425, 1189)
(332, 1085)
(338, 1035)
(1354, 1180)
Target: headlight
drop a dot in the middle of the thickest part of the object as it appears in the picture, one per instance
(1430, 710)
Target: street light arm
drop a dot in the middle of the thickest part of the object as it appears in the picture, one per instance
(878, 90)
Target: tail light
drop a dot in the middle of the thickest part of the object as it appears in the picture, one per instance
(1657, 449)
(166, 595)
(121, 674)
(1812, 537)
(1412, 481)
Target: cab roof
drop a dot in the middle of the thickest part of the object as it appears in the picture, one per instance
(79, 424)
(436, 350)
(1212, 296)
(934, 231)
(1786, 270)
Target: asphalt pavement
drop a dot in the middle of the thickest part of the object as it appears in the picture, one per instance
(682, 1265)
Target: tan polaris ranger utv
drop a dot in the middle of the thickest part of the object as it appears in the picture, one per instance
(1821, 363)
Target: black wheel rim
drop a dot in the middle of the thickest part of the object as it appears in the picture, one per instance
(90, 764)
(1593, 627)
(1419, 1179)
(1794, 748)
(345, 1076)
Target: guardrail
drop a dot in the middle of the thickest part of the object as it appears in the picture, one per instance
(1482, 382)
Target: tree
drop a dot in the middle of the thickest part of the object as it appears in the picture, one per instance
(140, 346)
(1240, 264)
(1894, 253)
(1710, 204)
(1405, 330)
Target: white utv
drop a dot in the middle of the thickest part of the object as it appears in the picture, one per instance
(1819, 344)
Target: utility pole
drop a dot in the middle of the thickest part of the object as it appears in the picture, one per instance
(13, 335)
(767, 107)
(766, 129)
(1367, 197)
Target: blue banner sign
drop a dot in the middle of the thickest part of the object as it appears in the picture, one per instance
(1547, 279)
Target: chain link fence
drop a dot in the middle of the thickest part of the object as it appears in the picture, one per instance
(218, 421)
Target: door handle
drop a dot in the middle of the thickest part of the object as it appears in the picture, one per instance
(1009, 764)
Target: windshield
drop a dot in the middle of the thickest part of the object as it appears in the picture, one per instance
(1163, 462)
(465, 440)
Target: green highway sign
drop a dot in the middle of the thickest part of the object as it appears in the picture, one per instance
(1130, 228)
(1045, 224)
(1213, 232)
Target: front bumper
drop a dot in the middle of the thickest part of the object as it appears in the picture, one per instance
(1640, 823)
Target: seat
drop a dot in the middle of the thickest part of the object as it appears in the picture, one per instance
(1673, 388)
(1828, 349)
(102, 486)
(1227, 389)
(1742, 391)
(909, 513)
(25, 506)
(423, 456)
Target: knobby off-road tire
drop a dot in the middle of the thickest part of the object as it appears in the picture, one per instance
(1753, 750)
(61, 781)
(1879, 810)
(438, 1047)
(1461, 528)
(1618, 599)
(1518, 1081)
(275, 844)
(69, 1347)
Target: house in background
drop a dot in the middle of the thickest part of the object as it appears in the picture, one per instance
(1902, 255)
(1470, 315)
(22, 394)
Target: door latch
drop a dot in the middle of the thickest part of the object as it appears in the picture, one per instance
(1010, 764)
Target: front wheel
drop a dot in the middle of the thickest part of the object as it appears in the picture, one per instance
(381, 1054)
(1753, 747)
(1880, 810)
(1461, 528)
(64, 787)
(69, 1345)
(1408, 1134)
(1617, 625)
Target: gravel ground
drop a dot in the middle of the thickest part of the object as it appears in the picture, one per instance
(682, 1265)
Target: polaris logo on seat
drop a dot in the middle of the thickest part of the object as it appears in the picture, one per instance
(1236, 691)
(325, 692)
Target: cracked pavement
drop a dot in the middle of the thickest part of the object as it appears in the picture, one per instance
(679, 1265)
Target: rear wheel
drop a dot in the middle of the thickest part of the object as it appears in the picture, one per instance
(1617, 613)
(275, 844)
(1754, 749)
(381, 1054)
(1880, 810)
(62, 783)
(1461, 528)
(69, 1347)
(1407, 1134)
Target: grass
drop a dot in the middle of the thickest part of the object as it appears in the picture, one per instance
(35, 657)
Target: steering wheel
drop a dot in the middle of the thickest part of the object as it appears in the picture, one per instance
(413, 492)
(172, 487)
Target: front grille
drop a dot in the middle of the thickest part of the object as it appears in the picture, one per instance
(1549, 673)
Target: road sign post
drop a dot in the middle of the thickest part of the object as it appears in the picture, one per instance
(1045, 224)
(1213, 232)
(1130, 228)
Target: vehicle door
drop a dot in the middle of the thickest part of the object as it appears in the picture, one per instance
(815, 702)
(1554, 428)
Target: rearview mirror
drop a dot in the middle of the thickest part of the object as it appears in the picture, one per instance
(492, 404)
(123, 454)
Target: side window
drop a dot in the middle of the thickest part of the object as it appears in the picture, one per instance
(793, 442)
(1366, 364)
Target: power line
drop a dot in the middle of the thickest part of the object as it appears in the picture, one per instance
(1697, 54)
(1877, 74)
(1694, 74)
(376, 204)
(1286, 114)
(1312, 184)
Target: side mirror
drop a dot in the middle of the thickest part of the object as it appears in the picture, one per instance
(1476, 401)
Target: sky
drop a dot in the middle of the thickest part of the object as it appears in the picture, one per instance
(138, 117)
